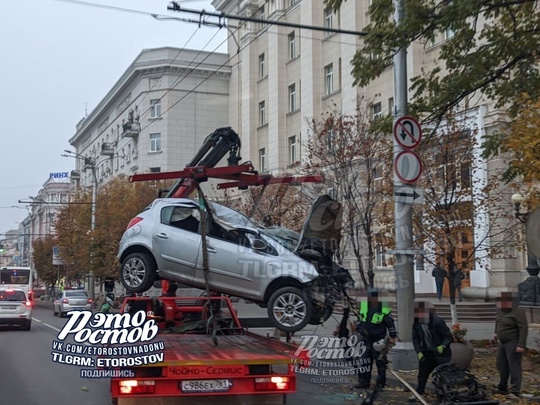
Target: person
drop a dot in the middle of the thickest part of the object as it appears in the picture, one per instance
(431, 340)
(511, 330)
(458, 276)
(439, 274)
(377, 328)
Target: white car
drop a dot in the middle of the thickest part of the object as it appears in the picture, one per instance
(290, 273)
(15, 308)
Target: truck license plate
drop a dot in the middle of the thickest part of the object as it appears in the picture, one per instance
(205, 385)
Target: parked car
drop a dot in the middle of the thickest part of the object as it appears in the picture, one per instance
(71, 300)
(15, 308)
(290, 273)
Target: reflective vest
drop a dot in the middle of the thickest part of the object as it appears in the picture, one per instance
(377, 317)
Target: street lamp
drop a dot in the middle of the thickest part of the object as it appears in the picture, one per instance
(89, 164)
(528, 290)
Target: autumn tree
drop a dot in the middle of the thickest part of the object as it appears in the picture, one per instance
(43, 259)
(117, 202)
(355, 157)
(464, 218)
(492, 49)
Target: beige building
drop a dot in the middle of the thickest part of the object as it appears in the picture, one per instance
(283, 76)
(156, 115)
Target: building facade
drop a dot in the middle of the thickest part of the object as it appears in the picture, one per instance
(155, 117)
(282, 77)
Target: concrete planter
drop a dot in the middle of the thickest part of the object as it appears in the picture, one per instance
(462, 354)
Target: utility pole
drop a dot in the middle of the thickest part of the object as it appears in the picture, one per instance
(404, 357)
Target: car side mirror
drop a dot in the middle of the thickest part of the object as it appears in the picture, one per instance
(259, 244)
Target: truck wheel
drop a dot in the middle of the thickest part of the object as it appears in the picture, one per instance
(289, 309)
(138, 272)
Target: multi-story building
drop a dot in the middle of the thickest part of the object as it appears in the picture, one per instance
(282, 76)
(156, 115)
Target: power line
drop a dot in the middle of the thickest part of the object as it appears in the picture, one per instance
(176, 7)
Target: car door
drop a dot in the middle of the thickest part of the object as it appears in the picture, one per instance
(176, 241)
(234, 266)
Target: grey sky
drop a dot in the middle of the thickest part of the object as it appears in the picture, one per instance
(60, 58)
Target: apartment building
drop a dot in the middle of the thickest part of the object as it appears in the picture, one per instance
(282, 76)
(155, 117)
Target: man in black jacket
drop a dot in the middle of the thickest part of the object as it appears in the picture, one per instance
(431, 340)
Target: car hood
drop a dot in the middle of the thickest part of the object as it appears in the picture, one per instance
(322, 229)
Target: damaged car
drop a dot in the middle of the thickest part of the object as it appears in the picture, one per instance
(291, 274)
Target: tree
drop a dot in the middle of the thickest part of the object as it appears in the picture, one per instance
(355, 157)
(493, 49)
(464, 218)
(43, 259)
(84, 250)
(519, 143)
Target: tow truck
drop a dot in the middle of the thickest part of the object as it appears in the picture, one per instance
(207, 353)
(207, 350)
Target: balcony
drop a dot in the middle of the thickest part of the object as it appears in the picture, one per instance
(131, 129)
(107, 149)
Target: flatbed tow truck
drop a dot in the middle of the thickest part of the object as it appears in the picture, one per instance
(206, 353)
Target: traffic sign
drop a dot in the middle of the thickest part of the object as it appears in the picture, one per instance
(409, 195)
(407, 132)
(408, 166)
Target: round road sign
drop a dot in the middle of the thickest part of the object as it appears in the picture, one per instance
(408, 166)
(407, 132)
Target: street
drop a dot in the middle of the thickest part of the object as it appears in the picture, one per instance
(30, 377)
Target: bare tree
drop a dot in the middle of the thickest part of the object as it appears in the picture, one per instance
(355, 157)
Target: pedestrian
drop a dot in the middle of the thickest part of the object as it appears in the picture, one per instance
(378, 331)
(511, 330)
(458, 277)
(439, 274)
(431, 340)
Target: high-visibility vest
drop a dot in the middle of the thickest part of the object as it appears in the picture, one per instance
(377, 316)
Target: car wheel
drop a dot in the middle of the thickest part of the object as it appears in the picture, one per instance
(138, 272)
(27, 325)
(289, 309)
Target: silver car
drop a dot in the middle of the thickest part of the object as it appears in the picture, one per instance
(291, 274)
(71, 300)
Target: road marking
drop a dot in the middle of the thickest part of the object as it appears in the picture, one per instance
(46, 324)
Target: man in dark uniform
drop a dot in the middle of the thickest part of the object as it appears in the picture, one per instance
(375, 326)
(431, 340)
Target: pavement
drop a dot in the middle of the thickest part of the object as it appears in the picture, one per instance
(396, 391)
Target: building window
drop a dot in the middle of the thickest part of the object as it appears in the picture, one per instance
(292, 149)
(292, 45)
(449, 33)
(292, 97)
(377, 110)
(155, 142)
(262, 72)
(262, 160)
(391, 105)
(380, 256)
(155, 108)
(331, 139)
(328, 20)
(262, 113)
(155, 169)
(261, 15)
(292, 2)
(329, 79)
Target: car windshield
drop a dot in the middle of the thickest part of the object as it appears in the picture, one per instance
(76, 294)
(231, 216)
(6, 295)
(285, 237)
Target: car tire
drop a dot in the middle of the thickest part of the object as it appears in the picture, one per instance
(138, 272)
(27, 325)
(289, 309)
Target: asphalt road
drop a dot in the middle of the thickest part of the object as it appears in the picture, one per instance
(28, 375)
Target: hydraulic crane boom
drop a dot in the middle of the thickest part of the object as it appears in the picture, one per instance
(215, 147)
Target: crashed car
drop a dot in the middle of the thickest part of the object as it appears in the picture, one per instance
(291, 274)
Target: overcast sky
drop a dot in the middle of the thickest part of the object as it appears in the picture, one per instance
(59, 58)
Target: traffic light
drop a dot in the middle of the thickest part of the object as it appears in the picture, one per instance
(1, 248)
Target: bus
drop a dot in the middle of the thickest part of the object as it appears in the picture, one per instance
(18, 277)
